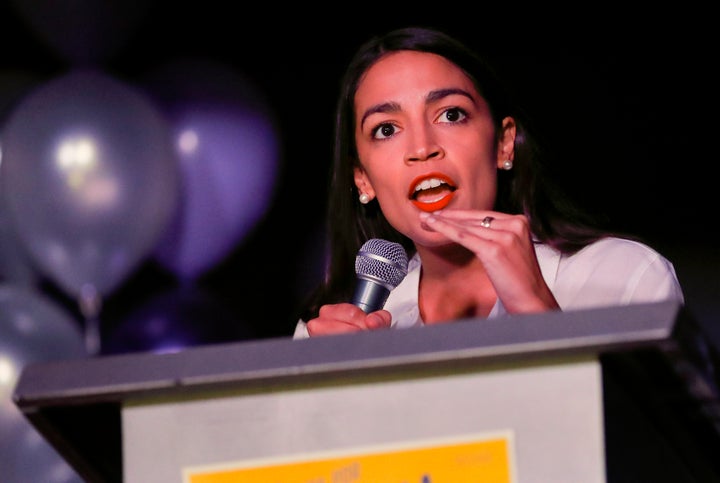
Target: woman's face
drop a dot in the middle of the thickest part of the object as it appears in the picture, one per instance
(425, 140)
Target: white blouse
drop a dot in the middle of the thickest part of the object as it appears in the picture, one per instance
(609, 272)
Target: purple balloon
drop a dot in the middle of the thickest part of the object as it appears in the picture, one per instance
(226, 142)
(174, 320)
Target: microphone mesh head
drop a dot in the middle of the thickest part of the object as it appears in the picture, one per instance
(383, 261)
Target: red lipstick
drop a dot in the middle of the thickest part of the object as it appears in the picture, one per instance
(435, 193)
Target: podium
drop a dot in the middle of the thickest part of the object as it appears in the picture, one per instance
(602, 395)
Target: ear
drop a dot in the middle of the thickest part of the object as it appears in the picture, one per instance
(363, 183)
(506, 142)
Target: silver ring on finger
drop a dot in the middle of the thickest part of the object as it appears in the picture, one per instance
(485, 223)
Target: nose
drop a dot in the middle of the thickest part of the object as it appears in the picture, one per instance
(422, 145)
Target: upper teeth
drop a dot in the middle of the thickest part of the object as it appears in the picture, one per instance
(426, 184)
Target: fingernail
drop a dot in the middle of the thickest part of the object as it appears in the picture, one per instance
(427, 217)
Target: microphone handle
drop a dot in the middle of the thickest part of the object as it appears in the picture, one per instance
(370, 295)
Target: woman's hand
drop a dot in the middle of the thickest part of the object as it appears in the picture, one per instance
(504, 245)
(346, 317)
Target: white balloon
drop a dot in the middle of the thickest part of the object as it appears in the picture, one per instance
(32, 329)
(89, 178)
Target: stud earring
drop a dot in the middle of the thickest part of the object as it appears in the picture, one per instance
(507, 165)
(364, 198)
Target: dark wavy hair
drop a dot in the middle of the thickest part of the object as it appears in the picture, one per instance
(554, 219)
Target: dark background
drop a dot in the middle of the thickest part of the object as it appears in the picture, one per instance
(625, 103)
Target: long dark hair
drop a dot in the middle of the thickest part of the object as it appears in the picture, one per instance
(524, 189)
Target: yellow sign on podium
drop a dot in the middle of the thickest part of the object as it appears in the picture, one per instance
(486, 458)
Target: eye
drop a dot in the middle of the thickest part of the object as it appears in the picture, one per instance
(383, 131)
(453, 115)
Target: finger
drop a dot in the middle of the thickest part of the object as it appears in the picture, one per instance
(346, 317)
(342, 312)
(441, 223)
(487, 220)
(468, 220)
(317, 327)
(326, 326)
(380, 319)
(471, 237)
(469, 215)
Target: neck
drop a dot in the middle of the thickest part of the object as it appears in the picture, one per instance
(441, 261)
(453, 284)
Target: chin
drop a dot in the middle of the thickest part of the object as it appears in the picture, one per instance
(430, 239)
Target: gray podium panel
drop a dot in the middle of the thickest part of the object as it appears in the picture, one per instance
(281, 401)
(549, 415)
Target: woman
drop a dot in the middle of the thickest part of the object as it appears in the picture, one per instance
(430, 153)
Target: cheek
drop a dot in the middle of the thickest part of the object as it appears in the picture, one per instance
(484, 197)
(384, 182)
(382, 165)
(387, 182)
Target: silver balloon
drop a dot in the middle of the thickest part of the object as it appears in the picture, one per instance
(15, 265)
(89, 178)
(32, 329)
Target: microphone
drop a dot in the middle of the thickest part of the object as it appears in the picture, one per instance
(380, 266)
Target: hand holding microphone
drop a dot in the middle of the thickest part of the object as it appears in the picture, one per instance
(380, 266)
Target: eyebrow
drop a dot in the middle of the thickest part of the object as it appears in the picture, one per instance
(431, 97)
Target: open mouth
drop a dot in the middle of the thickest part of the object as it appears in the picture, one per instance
(432, 192)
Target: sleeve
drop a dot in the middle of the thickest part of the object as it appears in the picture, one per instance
(656, 281)
(301, 331)
(614, 272)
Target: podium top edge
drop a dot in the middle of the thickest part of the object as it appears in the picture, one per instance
(114, 378)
